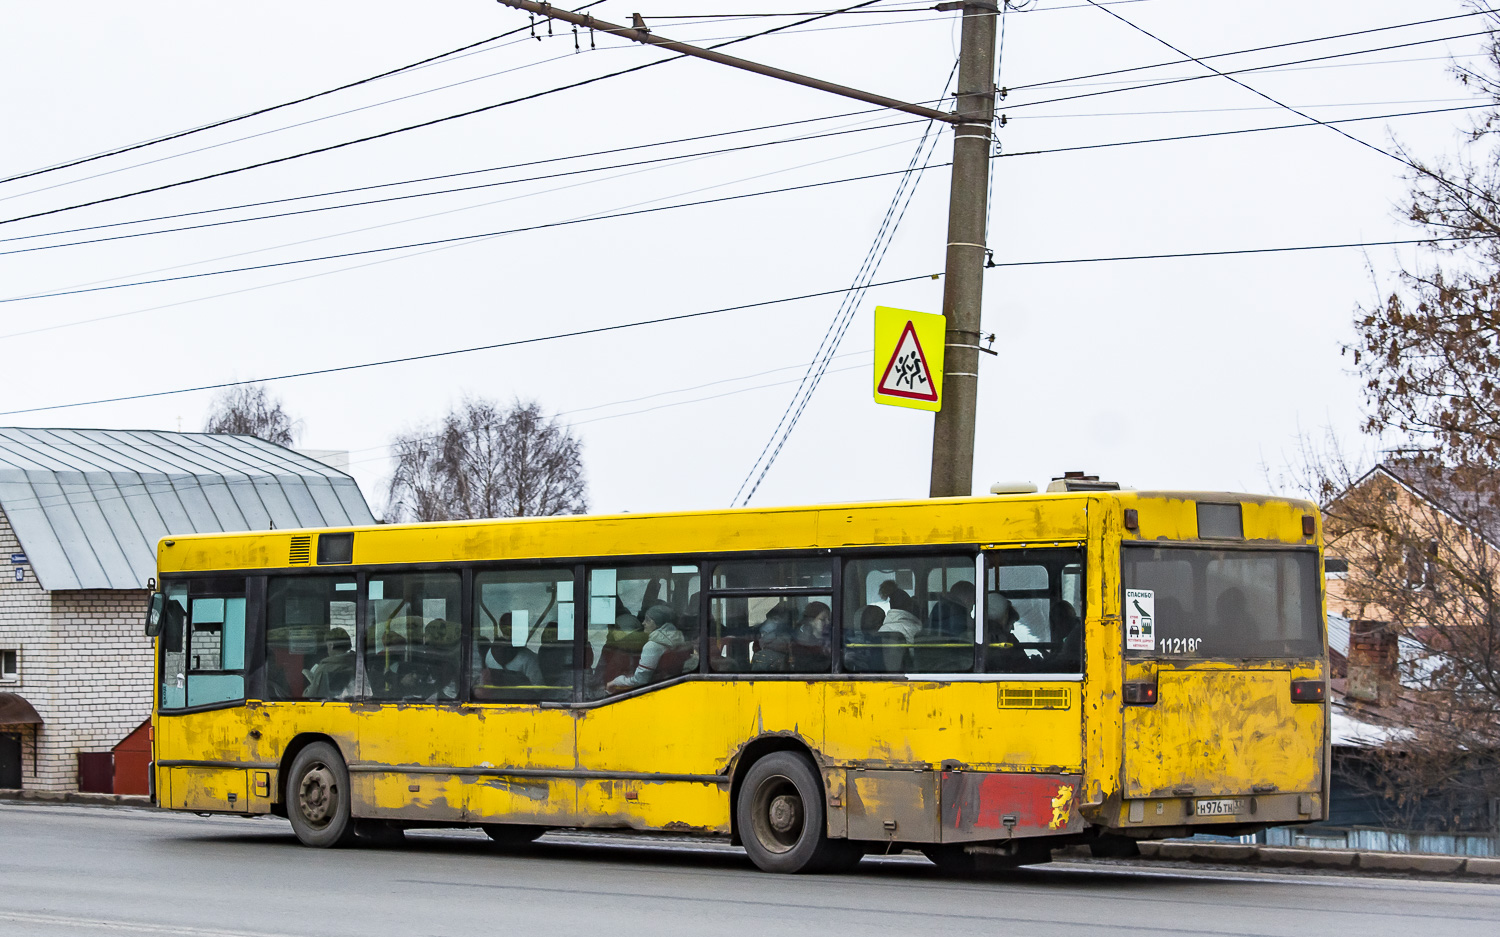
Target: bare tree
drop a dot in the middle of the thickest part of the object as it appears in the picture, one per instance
(483, 460)
(1422, 537)
(250, 410)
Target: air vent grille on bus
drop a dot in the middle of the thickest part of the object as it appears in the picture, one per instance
(301, 552)
(1041, 697)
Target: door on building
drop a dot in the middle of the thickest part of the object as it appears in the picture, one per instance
(10, 760)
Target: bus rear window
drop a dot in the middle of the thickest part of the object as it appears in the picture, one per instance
(1195, 603)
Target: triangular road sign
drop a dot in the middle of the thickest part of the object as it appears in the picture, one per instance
(907, 374)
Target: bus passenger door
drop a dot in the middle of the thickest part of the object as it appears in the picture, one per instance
(415, 740)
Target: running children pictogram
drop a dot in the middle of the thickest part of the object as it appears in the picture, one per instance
(908, 358)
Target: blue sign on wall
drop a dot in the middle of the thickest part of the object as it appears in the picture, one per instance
(18, 558)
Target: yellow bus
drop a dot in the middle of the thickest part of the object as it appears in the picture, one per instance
(981, 679)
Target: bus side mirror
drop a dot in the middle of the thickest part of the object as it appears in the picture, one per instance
(154, 612)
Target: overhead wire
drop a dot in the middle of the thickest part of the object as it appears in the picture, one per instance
(275, 130)
(834, 335)
(1253, 49)
(697, 203)
(454, 175)
(177, 135)
(693, 315)
(1215, 73)
(449, 240)
(399, 130)
(466, 350)
(448, 191)
(1300, 113)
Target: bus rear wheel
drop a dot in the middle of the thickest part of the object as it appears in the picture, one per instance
(318, 801)
(781, 818)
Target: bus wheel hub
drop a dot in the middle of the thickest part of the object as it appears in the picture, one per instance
(785, 813)
(315, 794)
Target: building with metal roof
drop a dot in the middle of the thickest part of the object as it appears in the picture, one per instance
(81, 512)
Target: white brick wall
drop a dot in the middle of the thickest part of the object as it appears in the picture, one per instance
(85, 665)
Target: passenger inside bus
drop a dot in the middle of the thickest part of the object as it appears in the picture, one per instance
(506, 664)
(333, 676)
(810, 648)
(665, 652)
(772, 652)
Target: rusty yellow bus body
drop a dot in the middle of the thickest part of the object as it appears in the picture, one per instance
(1211, 744)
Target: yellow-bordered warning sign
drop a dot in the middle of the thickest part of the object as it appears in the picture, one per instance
(909, 358)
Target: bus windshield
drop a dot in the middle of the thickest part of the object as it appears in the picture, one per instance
(1196, 603)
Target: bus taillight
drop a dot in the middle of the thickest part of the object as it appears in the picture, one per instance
(1308, 691)
(1140, 694)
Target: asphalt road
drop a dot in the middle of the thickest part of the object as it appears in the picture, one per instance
(94, 871)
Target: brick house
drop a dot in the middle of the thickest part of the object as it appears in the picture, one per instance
(80, 514)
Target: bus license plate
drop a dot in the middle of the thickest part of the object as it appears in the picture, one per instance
(1220, 808)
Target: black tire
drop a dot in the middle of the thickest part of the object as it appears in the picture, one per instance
(781, 818)
(318, 797)
(513, 835)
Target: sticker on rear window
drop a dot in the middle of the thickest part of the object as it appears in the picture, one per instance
(1140, 619)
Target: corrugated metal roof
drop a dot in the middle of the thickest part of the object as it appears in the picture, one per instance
(88, 505)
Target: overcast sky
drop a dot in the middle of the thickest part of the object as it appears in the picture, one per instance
(1185, 373)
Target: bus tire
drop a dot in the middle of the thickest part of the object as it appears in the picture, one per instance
(512, 835)
(781, 818)
(318, 797)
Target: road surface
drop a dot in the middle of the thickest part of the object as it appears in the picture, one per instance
(67, 870)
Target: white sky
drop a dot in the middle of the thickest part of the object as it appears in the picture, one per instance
(1171, 373)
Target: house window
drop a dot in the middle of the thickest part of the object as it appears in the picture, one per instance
(9, 665)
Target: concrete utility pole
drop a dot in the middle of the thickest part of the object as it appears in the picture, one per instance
(963, 287)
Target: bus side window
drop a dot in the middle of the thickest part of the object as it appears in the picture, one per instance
(786, 628)
(643, 626)
(174, 646)
(1033, 611)
(909, 614)
(413, 637)
(310, 637)
(524, 627)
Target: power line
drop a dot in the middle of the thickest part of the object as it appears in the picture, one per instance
(461, 351)
(1231, 133)
(280, 129)
(266, 110)
(1220, 55)
(453, 240)
(827, 346)
(449, 191)
(1238, 71)
(694, 315)
(467, 172)
(1261, 94)
(408, 256)
(697, 203)
(1231, 253)
(389, 133)
(386, 448)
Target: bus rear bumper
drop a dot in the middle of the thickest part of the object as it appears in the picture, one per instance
(1205, 813)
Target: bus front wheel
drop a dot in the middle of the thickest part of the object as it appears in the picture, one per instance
(781, 818)
(317, 794)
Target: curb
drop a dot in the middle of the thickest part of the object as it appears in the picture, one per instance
(74, 797)
(1294, 856)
